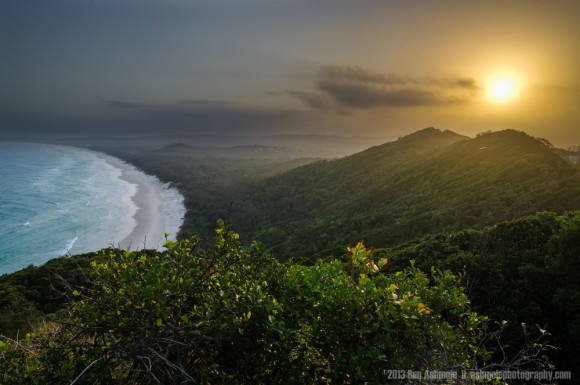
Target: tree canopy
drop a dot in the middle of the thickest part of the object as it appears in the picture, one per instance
(232, 314)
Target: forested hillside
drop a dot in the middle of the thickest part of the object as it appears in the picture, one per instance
(426, 182)
(226, 314)
(525, 270)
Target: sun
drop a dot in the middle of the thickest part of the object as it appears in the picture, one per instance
(502, 88)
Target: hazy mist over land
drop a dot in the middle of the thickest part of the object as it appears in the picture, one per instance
(377, 69)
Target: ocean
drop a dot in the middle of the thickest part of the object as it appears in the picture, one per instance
(59, 200)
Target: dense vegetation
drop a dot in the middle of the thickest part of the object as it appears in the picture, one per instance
(428, 182)
(28, 294)
(228, 314)
(523, 271)
(223, 312)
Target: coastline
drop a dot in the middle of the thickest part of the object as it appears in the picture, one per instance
(159, 208)
(69, 200)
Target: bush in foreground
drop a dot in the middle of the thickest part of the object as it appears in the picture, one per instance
(228, 314)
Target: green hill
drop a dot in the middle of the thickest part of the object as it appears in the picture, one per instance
(525, 270)
(426, 182)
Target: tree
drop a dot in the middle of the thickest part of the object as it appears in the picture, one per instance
(228, 314)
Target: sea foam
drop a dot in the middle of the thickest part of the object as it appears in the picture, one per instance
(60, 200)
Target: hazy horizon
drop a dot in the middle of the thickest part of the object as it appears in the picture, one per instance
(365, 69)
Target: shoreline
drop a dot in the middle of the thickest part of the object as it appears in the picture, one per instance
(116, 206)
(159, 208)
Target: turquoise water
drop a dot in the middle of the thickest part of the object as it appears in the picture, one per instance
(58, 200)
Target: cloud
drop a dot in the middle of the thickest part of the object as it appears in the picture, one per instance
(215, 116)
(206, 102)
(316, 100)
(345, 87)
(469, 84)
(134, 118)
(177, 106)
(356, 95)
(121, 104)
(354, 74)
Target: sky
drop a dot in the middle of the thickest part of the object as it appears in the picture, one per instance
(375, 68)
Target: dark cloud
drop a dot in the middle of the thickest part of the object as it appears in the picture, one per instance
(345, 87)
(206, 102)
(353, 74)
(121, 104)
(469, 84)
(179, 107)
(222, 117)
(312, 99)
(191, 117)
(356, 95)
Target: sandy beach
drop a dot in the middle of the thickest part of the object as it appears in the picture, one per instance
(160, 209)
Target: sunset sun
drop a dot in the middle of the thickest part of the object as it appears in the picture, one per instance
(503, 88)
